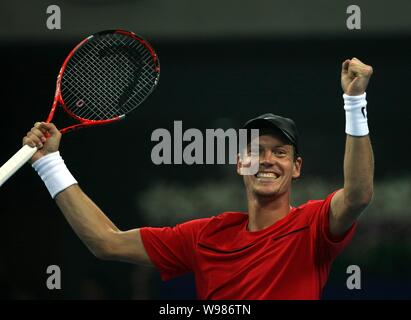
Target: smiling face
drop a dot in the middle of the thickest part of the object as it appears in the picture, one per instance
(277, 166)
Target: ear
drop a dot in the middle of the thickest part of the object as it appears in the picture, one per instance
(297, 167)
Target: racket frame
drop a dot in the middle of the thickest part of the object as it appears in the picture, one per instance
(26, 152)
(58, 99)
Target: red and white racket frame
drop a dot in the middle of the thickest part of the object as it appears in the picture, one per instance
(26, 152)
(59, 99)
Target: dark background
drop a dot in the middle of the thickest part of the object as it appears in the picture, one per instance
(207, 82)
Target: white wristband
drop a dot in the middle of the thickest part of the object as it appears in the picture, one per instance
(356, 123)
(54, 173)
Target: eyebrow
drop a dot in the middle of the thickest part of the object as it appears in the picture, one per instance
(261, 146)
(275, 146)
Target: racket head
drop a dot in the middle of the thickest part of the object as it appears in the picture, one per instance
(106, 76)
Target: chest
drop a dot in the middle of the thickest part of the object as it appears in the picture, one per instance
(271, 264)
(291, 246)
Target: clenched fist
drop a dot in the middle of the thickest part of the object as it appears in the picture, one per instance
(355, 76)
(45, 136)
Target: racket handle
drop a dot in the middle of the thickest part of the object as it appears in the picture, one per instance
(16, 162)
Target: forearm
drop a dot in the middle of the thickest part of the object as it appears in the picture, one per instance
(92, 226)
(358, 171)
(348, 203)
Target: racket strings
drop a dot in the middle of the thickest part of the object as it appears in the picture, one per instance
(128, 75)
(108, 76)
(90, 80)
(107, 95)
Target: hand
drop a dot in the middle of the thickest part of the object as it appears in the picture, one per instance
(355, 76)
(45, 136)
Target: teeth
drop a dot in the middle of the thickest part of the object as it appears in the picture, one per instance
(266, 175)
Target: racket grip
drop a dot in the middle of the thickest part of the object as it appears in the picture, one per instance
(16, 162)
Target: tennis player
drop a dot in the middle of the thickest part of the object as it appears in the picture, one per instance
(274, 251)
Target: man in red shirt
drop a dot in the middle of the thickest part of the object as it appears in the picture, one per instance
(273, 251)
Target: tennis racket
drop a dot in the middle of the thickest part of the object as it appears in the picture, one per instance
(105, 77)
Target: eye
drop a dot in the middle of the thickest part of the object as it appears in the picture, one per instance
(256, 153)
(253, 152)
(280, 152)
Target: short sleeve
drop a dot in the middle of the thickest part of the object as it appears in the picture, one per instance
(327, 246)
(172, 249)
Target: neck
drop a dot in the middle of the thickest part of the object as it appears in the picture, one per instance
(265, 211)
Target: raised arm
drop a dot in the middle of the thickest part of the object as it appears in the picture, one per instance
(93, 227)
(349, 202)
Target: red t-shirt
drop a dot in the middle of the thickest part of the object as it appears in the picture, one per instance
(291, 259)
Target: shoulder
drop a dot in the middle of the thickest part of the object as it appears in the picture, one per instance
(227, 219)
(220, 221)
(229, 222)
(311, 208)
(310, 205)
(230, 217)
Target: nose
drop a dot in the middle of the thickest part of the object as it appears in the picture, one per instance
(267, 158)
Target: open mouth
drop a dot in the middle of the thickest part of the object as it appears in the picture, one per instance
(267, 175)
